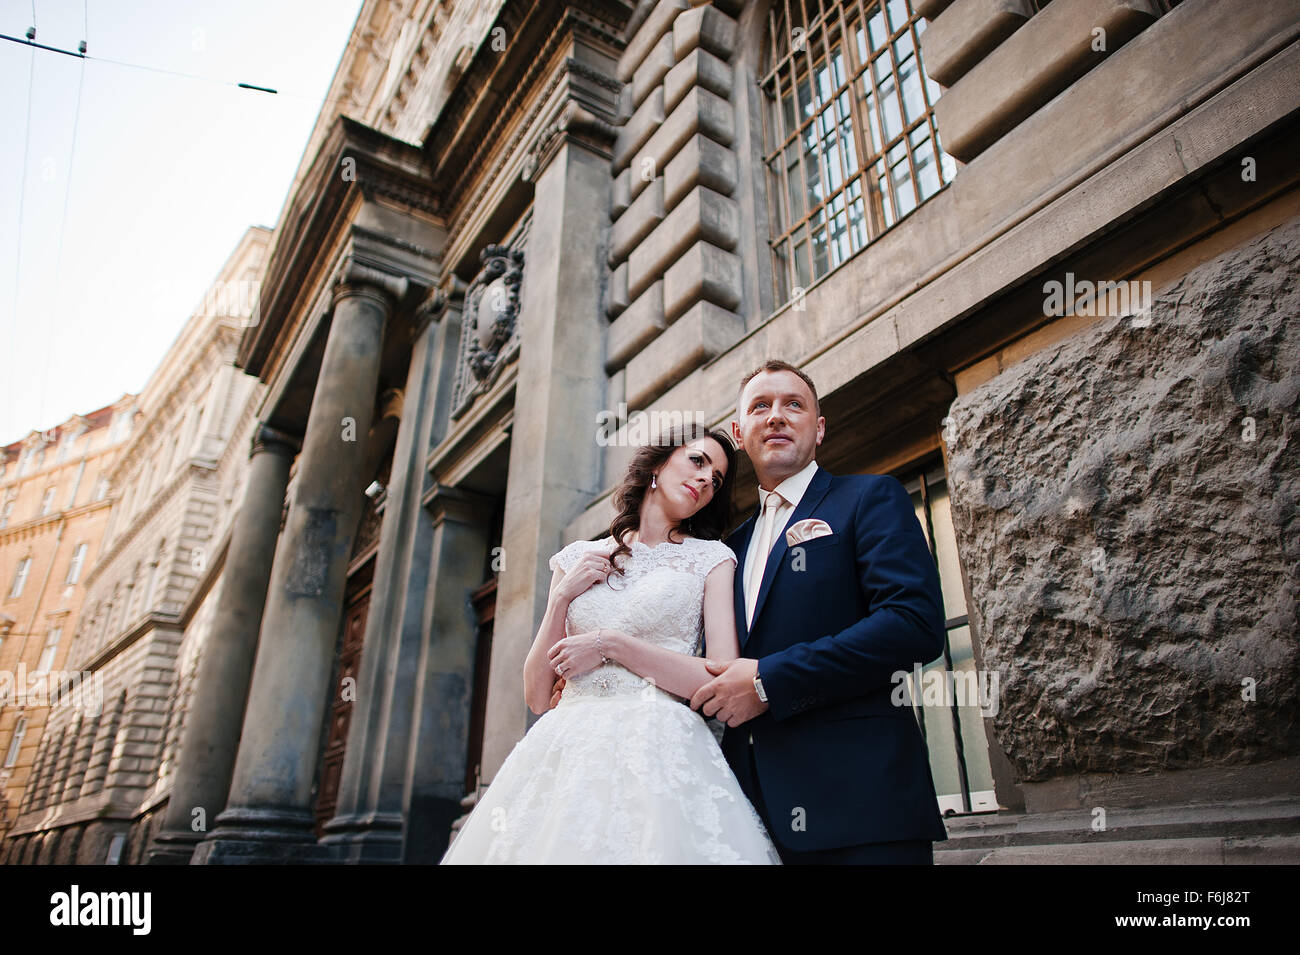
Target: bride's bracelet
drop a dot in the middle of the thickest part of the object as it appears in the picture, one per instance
(603, 658)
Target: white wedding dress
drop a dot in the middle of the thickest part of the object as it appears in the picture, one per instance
(622, 771)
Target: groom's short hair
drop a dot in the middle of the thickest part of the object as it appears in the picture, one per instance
(776, 364)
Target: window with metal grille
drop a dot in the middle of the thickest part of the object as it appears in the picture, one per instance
(850, 142)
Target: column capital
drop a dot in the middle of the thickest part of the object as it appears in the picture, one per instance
(445, 502)
(575, 124)
(359, 278)
(273, 441)
(452, 288)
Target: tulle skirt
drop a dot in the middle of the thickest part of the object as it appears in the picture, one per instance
(627, 779)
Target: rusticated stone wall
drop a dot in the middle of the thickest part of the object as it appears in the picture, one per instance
(1132, 553)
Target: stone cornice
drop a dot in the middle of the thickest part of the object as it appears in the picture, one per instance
(113, 647)
(475, 117)
(355, 165)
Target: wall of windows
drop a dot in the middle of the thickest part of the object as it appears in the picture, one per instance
(849, 135)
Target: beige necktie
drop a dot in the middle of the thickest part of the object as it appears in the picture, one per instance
(758, 562)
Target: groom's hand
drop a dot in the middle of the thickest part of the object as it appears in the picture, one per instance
(731, 696)
(556, 692)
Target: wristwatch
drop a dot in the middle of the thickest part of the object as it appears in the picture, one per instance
(758, 688)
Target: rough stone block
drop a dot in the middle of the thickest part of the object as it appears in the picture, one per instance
(705, 273)
(706, 27)
(703, 215)
(652, 69)
(637, 222)
(703, 332)
(701, 162)
(659, 22)
(644, 122)
(1030, 67)
(1130, 543)
(700, 68)
(699, 112)
(967, 32)
(640, 323)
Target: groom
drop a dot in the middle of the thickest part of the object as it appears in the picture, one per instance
(836, 591)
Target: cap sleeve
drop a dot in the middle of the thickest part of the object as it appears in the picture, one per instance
(714, 553)
(568, 555)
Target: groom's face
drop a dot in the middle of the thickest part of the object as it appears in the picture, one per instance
(778, 425)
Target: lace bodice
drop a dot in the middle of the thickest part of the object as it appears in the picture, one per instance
(659, 598)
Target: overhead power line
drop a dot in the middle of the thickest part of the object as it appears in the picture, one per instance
(83, 55)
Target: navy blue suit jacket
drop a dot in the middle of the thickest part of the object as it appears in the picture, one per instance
(839, 764)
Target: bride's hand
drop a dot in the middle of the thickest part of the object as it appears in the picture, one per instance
(591, 568)
(575, 655)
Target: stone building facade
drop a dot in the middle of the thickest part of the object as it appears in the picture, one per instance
(1038, 257)
(55, 496)
(150, 592)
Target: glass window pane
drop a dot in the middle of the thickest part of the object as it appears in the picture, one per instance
(876, 26)
(883, 190)
(794, 181)
(781, 271)
(927, 171)
(812, 166)
(839, 235)
(776, 196)
(857, 215)
(846, 134)
(913, 98)
(893, 117)
(802, 268)
(788, 113)
(820, 258)
(872, 116)
(900, 175)
(805, 99)
(897, 15)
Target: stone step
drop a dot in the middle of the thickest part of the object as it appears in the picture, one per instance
(1208, 850)
(1267, 828)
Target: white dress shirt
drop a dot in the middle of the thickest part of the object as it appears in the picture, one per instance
(792, 490)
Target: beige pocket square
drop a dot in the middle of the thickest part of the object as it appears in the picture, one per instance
(807, 530)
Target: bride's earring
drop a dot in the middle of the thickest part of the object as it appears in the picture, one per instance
(654, 481)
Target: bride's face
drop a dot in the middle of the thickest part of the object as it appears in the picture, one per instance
(690, 477)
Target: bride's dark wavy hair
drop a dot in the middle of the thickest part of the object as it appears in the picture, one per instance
(708, 523)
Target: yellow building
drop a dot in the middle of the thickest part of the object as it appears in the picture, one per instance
(55, 498)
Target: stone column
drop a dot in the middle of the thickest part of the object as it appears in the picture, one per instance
(554, 470)
(210, 737)
(445, 672)
(269, 810)
(368, 823)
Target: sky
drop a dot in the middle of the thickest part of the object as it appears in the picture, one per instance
(138, 184)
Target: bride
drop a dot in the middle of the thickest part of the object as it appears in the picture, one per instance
(622, 770)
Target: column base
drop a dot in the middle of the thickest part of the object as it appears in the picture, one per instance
(365, 838)
(173, 848)
(245, 836)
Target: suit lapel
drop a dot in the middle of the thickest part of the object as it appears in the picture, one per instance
(817, 489)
